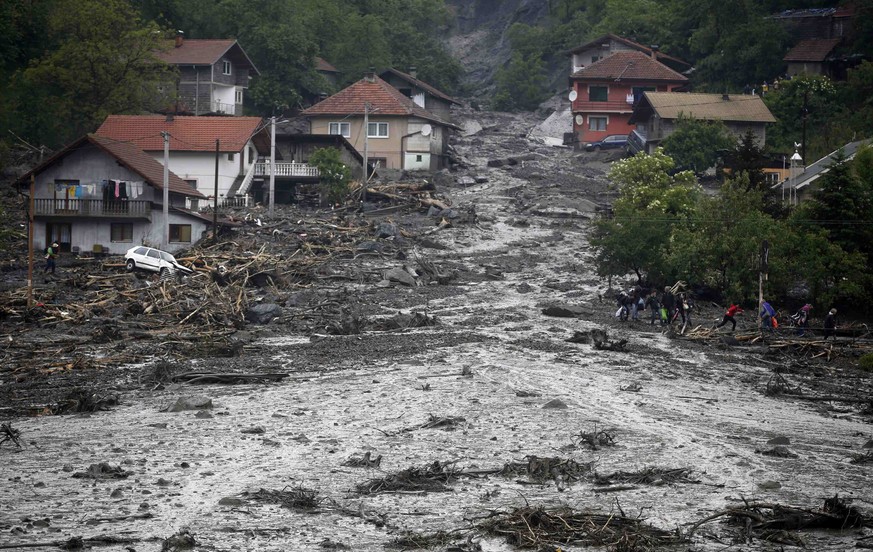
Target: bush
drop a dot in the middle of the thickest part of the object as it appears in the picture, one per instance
(866, 362)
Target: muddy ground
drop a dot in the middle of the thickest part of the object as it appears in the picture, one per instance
(494, 383)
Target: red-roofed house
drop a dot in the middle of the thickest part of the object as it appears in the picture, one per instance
(603, 93)
(213, 75)
(102, 195)
(421, 93)
(608, 44)
(399, 133)
(241, 140)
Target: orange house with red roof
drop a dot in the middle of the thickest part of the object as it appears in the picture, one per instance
(398, 134)
(603, 93)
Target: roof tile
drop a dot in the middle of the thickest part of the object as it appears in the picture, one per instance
(629, 65)
(382, 98)
(186, 133)
(738, 107)
(814, 49)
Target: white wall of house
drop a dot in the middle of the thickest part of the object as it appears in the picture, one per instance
(224, 98)
(199, 166)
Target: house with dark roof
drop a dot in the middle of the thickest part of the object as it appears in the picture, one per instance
(238, 145)
(801, 181)
(213, 75)
(398, 134)
(811, 57)
(656, 113)
(104, 195)
(421, 93)
(603, 93)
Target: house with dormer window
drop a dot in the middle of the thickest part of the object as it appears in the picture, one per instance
(397, 134)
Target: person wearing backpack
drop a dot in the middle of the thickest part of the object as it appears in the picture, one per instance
(51, 253)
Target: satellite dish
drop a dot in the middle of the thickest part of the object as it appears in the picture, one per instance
(579, 120)
(426, 130)
(573, 95)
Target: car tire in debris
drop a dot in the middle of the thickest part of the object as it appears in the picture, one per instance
(131, 265)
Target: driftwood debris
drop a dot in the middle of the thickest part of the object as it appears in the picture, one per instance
(229, 378)
(9, 433)
(533, 527)
(434, 477)
(773, 522)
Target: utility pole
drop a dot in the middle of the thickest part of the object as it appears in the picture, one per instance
(804, 115)
(30, 202)
(215, 196)
(272, 164)
(366, 148)
(762, 276)
(166, 136)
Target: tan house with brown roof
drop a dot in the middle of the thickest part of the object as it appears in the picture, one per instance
(104, 195)
(399, 134)
(213, 75)
(656, 113)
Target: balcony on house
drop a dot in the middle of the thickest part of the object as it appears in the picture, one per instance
(284, 169)
(217, 106)
(92, 208)
(610, 106)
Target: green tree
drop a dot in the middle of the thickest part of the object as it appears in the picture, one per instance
(697, 145)
(842, 207)
(652, 202)
(333, 174)
(104, 63)
(519, 84)
(805, 96)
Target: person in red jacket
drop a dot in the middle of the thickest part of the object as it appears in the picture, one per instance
(732, 311)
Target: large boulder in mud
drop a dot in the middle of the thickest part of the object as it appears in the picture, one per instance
(263, 313)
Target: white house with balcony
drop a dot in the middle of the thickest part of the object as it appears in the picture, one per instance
(105, 196)
(199, 144)
(213, 75)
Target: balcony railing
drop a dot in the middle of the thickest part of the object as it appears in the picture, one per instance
(222, 107)
(609, 106)
(92, 208)
(287, 169)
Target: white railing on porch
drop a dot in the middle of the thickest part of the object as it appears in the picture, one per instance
(286, 169)
(217, 106)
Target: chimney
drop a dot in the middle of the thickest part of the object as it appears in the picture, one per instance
(180, 38)
(654, 48)
(370, 75)
(413, 71)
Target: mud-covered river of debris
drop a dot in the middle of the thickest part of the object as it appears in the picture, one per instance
(398, 381)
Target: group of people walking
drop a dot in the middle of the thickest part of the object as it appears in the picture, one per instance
(668, 307)
(665, 308)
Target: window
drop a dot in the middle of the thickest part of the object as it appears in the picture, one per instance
(225, 67)
(180, 233)
(595, 58)
(377, 130)
(638, 91)
(597, 123)
(230, 156)
(418, 158)
(192, 183)
(121, 232)
(343, 129)
(239, 96)
(598, 93)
